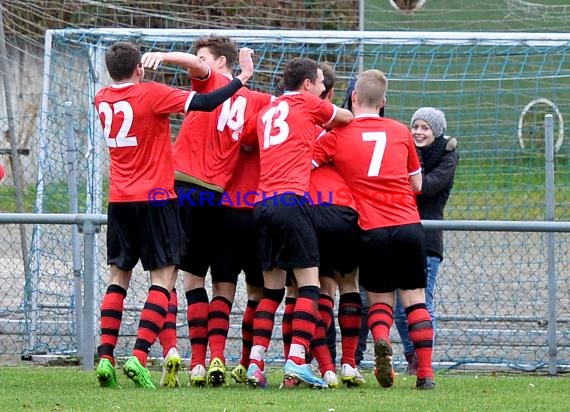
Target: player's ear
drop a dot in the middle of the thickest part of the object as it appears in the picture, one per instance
(222, 61)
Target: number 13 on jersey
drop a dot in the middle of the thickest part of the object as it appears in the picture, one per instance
(275, 119)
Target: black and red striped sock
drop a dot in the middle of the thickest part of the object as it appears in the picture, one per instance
(326, 309)
(247, 331)
(380, 320)
(349, 321)
(304, 322)
(111, 316)
(420, 329)
(218, 326)
(264, 321)
(287, 324)
(152, 321)
(197, 317)
(167, 335)
(320, 349)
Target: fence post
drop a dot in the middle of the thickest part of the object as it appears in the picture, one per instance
(551, 267)
(75, 252)
(89, 229)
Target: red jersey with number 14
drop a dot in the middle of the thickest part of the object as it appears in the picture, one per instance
(286, 132)
(376, 157)
(136, 127)
(208, 144)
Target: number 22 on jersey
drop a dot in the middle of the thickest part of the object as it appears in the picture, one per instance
(110, 112)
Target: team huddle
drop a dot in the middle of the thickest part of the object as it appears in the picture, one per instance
(301, 196)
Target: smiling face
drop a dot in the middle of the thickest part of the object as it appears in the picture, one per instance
(422, 133)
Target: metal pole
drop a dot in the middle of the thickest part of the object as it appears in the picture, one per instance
(89, 229)
(549, 200)
(73, 206)
(14, 156)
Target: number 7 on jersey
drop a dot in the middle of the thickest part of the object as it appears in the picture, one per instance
(379, 139)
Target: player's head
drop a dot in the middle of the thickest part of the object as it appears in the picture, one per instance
(370, 91)
(428, 123)
(304, 75)
(219, 52)
(122, 59)
(329, 80)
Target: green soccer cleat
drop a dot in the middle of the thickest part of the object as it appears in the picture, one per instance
(138, 373)
(106, 374)
(239, 374)
(217, 372)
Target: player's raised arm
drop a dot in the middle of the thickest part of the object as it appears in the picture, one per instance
(245, 64)
(209, 101)
(195, 66)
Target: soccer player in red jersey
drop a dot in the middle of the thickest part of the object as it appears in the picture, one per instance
(205, 155)
(377, 159)
(286, 235)
(136, 126)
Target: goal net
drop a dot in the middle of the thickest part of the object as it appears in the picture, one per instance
(482, 80)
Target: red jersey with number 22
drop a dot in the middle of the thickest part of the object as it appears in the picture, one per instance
(286, 132)
(136, 127)
(376, 157)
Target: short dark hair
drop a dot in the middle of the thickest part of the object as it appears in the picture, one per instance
(122, 59)
(219, 46)
(330, 78)
(297, 70)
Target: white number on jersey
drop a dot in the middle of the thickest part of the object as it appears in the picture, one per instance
(379, 139)
(233, 116)
(275, 117)
(122, 139)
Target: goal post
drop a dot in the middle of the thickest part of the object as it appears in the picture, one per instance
(483, 81)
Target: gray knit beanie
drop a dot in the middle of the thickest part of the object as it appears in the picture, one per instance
(433, 117)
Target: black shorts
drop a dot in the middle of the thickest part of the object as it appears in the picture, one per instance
(201, 218)
(339, 236)
(285, 233)
(393, 258)
(139, 230)
(238, 249)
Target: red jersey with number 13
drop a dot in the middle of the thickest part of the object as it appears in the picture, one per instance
(376, 157)
(136, 127)
(286, 132)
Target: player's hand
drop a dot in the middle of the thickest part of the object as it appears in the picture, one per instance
(152, 60)
(246, 63)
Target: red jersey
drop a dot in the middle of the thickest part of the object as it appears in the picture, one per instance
(241, 190)
(375, 156)
(286, 132)
(136, 126)
(208, 143)
(328, 186)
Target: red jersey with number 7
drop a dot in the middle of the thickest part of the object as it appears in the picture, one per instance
(376, 157)
(136, 127)
(286, 132)
(208, 144)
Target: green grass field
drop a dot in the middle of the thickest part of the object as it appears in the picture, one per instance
(70, 389)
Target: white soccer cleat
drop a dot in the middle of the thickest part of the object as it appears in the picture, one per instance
(198, 376)
(351, 376)
(331, 379)
(170, 369)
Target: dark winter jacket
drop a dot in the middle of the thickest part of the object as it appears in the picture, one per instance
(439, 161)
